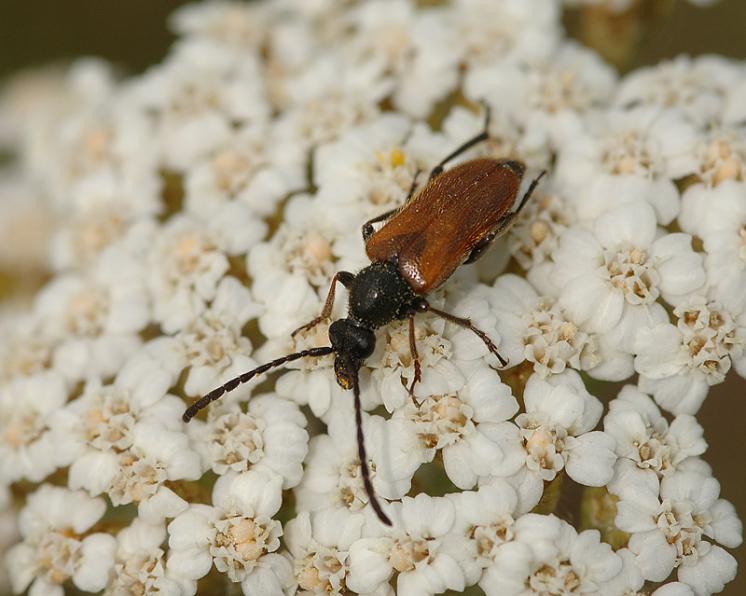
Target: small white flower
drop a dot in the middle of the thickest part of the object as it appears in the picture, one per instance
(372, 167)
(248, 167)
(269, 436)
(696, 86)
(627, 156)
(548, 556)
(104, 416)
(669, 531)
(414, 46)
(294, 269)
(485, 520)
(232, 23)
(717, 215)
(534, 236)
(581, 563)
(27, 447)
(678, 364)
(186, 264)
(556, 431)
(316, 10)
(537, 329)
(294, 304)
(721, 158)
(319, 545)
(734, 109)
(333, 476)
(237, 534)
(198, 95)
(8, 536)
(27, 348)
(468, 427)
(629, 580)
(413, 547)
(328, 97)
(39, 104)
(97, 316)
(103, 224)
(140, 564)
(674, 588)
(53, 550)
(511, 31)
(645, 437)
(611, 278)
(214, 348)
(551, 95)
(101, 152)
(137, 473)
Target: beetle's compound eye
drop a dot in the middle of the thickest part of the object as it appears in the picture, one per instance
(350, 339)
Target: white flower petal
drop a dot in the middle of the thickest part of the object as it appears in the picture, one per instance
(591, 459)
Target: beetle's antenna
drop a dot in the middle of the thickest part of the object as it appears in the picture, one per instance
(362, 455)
(218, 392)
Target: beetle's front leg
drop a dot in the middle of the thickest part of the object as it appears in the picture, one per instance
(343, 277)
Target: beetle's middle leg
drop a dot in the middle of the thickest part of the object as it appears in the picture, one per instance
(466, 323)
(482, 136)
(415, 356)
(343, 277)
(503, 224)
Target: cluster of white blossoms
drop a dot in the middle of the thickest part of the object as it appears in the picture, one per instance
(199, 212)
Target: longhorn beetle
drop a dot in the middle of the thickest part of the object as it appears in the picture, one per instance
(450, 221)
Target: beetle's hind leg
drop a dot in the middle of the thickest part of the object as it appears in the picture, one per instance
(368, 225)
(343, 277)
(466, 323)
(482, 136)
(503, 224)
(525, 198)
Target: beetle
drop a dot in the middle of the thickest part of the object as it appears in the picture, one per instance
(450, 221)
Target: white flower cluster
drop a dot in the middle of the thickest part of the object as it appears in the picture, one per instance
(212, 199)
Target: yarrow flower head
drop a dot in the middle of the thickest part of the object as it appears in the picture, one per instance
(190, 232)
(319, 545)
(669, 523)
(237, 534)
(55, 546)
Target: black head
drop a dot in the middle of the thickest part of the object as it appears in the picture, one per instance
(352, 344)
(379, 294)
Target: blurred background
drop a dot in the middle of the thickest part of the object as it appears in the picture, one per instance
(134, 34)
